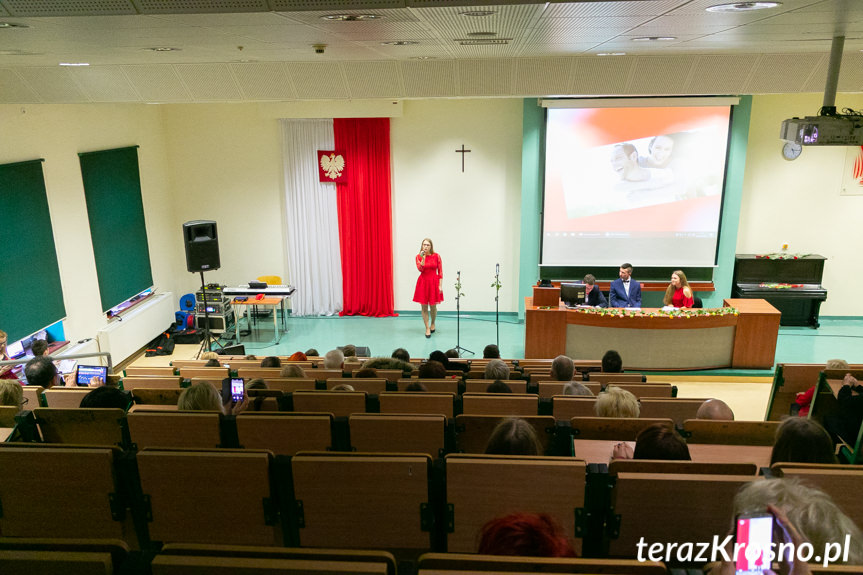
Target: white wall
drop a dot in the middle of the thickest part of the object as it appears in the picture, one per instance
(58, 133)
(799, 202)
(472, 217)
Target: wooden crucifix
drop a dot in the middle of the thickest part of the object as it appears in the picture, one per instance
(462, 152)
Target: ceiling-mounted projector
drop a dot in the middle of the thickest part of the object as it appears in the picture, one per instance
(836, 130)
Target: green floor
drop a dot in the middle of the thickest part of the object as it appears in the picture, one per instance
(836, 338)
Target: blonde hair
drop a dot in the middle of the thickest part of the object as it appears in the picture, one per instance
(431, 244)
(209, 355)
(616, 402)
(292, 371)
(836, 364)
(200, 397)
(669, 291)
(343, 387)
(11, 393)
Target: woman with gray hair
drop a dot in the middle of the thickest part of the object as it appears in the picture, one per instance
(497, 369)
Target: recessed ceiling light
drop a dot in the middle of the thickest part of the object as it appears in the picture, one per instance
(399, 43)
(654, 39)
(481, 34)
(612, 54)
(477, 13)
(423, 57)
(74, 64)
(743, 6)
(162, 49)
(19, 53)
(12, 25)
(483, 41)
(350, 17)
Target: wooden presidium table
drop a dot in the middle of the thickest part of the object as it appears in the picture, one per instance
(271, 301)
(660, 342)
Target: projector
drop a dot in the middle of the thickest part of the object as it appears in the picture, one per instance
(834, 130)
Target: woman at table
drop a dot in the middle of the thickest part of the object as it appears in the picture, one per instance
(429, 292)
(678, 294)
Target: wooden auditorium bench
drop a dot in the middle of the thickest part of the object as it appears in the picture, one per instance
(151, 371)
(500, 404)
(339, 403)
(150, 396)
(368, 384)
(480, 385)
(841, 482)
(152, 381)
(285, 433)
(65, 396)
(395, 433)
(730, 432)
(290, 384)
(684, 467)
(192, 429)
(436, 385)
(473, 431)
(82, 426)
(594, 438)
(215, 374)
(453, 563)
(676, 408)
(565, 407)
(418, 402)
(34, 396)
(69, 557)
(606, 378)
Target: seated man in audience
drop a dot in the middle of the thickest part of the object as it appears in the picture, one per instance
(497, 386)
(107, 397)
(11, 394)
(334, 359)
(440, 356)
(401, 354)
(612, 362)
(616, 402)
(42, 371)
(212, 363)
(416, 386)
(526, 535)
(715, 409)
(513, 436)
(801, 440)
(491, 351)
(496, 369)
(657, 441)
(365, 372)
(292, 371)
(432, 370)
(577, 388)
(312, 352)
(39, 347)
(562, 368)
(271, 361)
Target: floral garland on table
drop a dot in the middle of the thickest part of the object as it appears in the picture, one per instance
(779, 286)
(672, 313)
(780, 256)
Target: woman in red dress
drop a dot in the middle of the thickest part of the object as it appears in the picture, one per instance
(428, 292)
(678, 294)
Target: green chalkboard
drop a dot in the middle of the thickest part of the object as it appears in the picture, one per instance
(112, 188)
(31, 297)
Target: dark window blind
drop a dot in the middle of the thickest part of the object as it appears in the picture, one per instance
(31, 296)
(112, 188)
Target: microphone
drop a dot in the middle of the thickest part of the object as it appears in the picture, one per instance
(496, 269)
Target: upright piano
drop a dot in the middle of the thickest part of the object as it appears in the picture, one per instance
(793, 286)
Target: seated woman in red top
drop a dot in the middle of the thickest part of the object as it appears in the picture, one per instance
(678, 294)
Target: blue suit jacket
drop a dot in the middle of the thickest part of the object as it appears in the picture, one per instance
(617, 294)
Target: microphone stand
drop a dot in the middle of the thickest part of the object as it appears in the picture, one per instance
(458, 295)
(496, 286)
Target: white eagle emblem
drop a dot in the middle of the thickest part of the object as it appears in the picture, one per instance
(333, 165)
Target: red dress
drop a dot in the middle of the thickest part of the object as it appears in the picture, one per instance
(678, 299)
(428, 284)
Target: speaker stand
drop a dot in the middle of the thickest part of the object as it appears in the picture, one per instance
(208, 340)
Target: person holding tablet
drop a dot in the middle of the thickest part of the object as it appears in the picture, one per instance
(678, 293)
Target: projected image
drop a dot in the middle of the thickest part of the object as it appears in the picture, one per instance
(634, 184)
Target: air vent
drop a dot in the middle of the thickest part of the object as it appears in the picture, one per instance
(483, 41)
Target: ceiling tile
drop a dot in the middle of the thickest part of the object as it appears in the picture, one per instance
(157, 83)
(13, 90)
(429, 78)
(264, 81)
(53, 85)
(485, 77)
(321, 80)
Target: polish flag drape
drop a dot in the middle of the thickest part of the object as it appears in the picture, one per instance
(365, 216)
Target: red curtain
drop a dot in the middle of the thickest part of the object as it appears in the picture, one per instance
(365, 216)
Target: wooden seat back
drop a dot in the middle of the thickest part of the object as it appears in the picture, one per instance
(215, 374)
(322, 374)
(730, 432)
(81, 426)
(152, 381)
(290, 384)
(611, 428)
(677, 409)
(552, 388)
(74, 557)
(474, 431)
(500, 404)
(264, 373)
(789, 380)
(181, 363)
(841, 482)
(185, 507)
(369, 385)
(65, 396)
(650, 390)
(723, 453)
(77, 503)
(606, 378)
(452, 563)
(565, 407)
(157, 371)
(148, 396)
(480, 385)
(339, 403)
(7, 415)
(397, 433)
(540, 484)
(661, 504)
(432, 385)
(684, 467)
(417, 402)
(195, 429)
(379, 507)
(33, 395)
(285, 433)
(390, 374)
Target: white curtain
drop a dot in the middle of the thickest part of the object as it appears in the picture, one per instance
(314, 263)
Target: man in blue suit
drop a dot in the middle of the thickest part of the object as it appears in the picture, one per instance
(625, 291)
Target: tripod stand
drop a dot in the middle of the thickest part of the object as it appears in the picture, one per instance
(208, 340)
(458, 295)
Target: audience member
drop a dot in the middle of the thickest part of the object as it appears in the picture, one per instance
(208, 355)
(576, 388)
(562, 369)
(416, 386)
(660, 441)
(440, 356)
(212, 363)
(612, 362)
(258, 400)
(801, 440)
(298, 356)
(271, 361)
(204, 397)
(526, 535)
(38, 347)
(498, 387)
(715, 409)
(496, 369)
(844, 422)
(251, 357)
(432, 370)
(513, 436)
(292, 371)
(107, 397)
(349, 350)
(616, 402)
(5, 370)
(804, 398)
(334, 359)
(42, 371)
(491, 351)
(401, 354)
(11, 394)
(390, 363)
(312, 352)
(343, 387)
(365, 372)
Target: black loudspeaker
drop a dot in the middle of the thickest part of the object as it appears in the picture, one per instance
(202, 246)
(233, 350)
